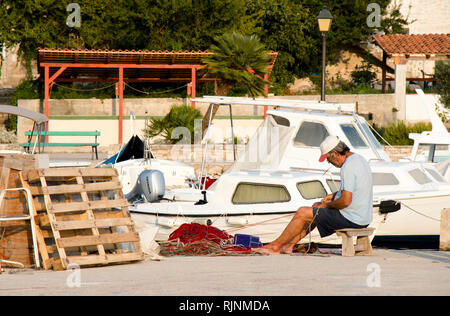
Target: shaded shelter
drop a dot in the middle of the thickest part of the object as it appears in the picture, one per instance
(64, 65)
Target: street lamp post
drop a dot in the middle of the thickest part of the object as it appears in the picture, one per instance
(324, 19)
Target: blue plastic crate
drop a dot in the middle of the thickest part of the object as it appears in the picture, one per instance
(248, 241)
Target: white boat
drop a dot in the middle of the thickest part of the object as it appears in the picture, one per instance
(288, 143)
(258, 203)
(136, 157)
(133, 159)
(432, 147)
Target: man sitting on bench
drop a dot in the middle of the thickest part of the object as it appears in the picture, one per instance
(350, 207)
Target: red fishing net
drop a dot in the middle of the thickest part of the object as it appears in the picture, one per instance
(201, 240)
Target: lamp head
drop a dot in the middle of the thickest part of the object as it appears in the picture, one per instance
(324, 19)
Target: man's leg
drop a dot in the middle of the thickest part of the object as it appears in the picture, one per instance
(294, 230)
(289, 247)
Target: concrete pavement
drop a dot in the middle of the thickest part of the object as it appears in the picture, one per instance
(387, 272)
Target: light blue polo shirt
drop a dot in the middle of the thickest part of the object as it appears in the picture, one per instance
(356, 177)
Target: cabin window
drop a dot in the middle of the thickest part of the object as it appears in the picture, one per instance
(435, 175)
(334, 185)
(310, 134)
(250, 193)
(432, 153)
(442, 153)
(311, 190)
(384, 178)
(353, 136)
(281, 120)
(419, 176)
(425, 152)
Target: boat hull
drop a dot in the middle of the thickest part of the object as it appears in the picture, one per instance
(417, 216)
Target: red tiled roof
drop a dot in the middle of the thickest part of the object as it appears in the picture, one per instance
(406, 44)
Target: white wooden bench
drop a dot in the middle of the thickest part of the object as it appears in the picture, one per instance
(363, 246)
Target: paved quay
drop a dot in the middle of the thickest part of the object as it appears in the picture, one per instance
(387, 272)
(391, 270)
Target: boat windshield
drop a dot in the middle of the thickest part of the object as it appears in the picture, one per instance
(372, 138)
(353, 136)
(310, 134)
(432, 153)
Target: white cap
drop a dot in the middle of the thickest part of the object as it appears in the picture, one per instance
(328, 145)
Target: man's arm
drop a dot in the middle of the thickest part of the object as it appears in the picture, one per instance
(342, 202)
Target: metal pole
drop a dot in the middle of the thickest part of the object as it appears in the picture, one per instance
(204, 151)
(324, 45)
(232, 134)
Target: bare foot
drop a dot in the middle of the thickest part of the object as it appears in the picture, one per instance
(268, 249)
(287, 249)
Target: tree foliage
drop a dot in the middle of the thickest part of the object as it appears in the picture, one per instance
(180, 117)
(286, 26)
(442, 74)
(239, 59)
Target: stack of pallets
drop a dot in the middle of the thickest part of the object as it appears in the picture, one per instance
(82, 217)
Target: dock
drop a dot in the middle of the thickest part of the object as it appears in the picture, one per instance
(392, 271)
(387, 272)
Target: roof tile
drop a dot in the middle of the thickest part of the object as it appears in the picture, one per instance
(405, 44)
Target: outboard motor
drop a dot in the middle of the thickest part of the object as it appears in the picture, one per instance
(150, 186)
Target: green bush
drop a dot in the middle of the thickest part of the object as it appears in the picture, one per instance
(363, 75)
(397, 133)
(179, 116)
(442, 74)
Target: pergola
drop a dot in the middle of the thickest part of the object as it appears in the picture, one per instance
(64, 65)
(405, 47)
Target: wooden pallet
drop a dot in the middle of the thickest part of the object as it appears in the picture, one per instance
(83, 216)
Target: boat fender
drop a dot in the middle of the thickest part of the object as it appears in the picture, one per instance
(389, 206)
(237, 221)
(207, 222)
(166, 222)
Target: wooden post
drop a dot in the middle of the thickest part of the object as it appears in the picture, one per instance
(444, 238)
(120, 105)
(383, 73)
(46, 98)
(193, 87)
(266, 92)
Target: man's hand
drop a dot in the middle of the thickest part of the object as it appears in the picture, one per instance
(328, 198)
(319, 205)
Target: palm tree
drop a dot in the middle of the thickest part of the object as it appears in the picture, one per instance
(237, 59)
